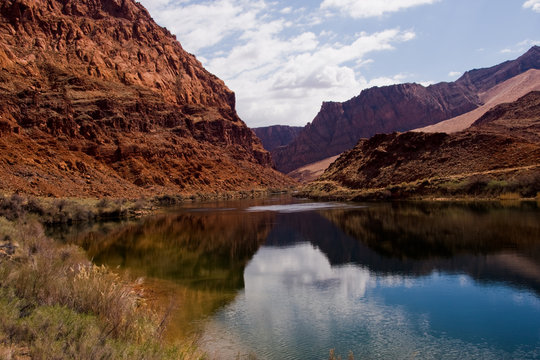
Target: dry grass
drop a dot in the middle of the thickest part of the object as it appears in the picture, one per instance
(55, 304)
(68, 211)
(513, 184)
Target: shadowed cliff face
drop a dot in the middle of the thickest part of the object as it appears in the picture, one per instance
(339, 126)
(98, 99)
(502, 148)
(275, 136)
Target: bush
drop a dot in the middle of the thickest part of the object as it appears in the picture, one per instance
(476, 185)
(55, 304)
(11, 207)
(169, 200)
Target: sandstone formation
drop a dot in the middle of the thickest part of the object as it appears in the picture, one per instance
(339, 126)
(507, 91)
(501, 148)
(275, 136)
(312, 171)
(97, 99)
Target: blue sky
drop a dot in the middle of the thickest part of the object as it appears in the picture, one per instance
(284, 58)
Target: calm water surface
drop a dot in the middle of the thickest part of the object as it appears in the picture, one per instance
(289, 279)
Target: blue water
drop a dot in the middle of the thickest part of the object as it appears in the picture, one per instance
(297, 304)
(293, 279)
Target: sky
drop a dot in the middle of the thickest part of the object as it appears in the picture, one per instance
(284, 58)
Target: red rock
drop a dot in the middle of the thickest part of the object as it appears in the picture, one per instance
(275, 136)
(505, 141)
(98, 82)
(339, 126)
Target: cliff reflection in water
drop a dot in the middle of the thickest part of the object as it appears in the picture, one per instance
(389, 281)
(207, 249)
(194, 258)
(273, 269)
(486, 241)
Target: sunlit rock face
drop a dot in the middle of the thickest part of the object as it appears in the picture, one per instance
(97, 99)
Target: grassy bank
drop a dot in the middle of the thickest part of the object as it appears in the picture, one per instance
(55, 211)
(55, 304)
(493, 186)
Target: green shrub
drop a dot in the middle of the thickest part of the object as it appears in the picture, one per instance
(55, 304)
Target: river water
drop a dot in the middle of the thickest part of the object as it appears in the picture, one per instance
(291, 279)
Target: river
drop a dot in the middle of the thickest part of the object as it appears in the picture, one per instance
(284, 278)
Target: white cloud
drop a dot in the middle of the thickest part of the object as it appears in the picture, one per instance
(534, 5)
(205, 24)
(427, 83)
(454, 74)
(286, 80)
(280, 71)
(521, 46)
(286, 10)
(371, 8)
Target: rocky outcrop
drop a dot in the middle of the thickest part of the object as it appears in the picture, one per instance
(520, 118)
(502, 143)
(97, 99)
(339, 126)
(480, 80)
(275, 136)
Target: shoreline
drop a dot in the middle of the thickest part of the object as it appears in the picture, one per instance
(453, 188)
(21, 254)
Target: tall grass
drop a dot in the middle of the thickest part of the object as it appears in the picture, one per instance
(55, 304)
(68, 211)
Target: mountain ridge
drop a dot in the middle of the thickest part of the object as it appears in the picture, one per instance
(499, 152)
(338, 126)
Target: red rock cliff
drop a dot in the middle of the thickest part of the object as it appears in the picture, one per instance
(96, 98)
(339, 126)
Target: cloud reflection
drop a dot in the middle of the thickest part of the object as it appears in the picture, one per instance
(296, 305)
(304, 266)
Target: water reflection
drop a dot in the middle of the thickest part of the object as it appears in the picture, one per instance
(193, 259)
(297, 305)
(390, 281)
(206, 249)
(489, 242)
(284, 279)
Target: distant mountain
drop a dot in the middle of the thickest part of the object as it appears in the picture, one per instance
(507, 91)
(97, 99)
(499, 153)
(275, 136)
(339, 126)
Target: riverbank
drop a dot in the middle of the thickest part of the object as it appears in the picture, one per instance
(54, 303)
(56, 211)
(475, 186)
